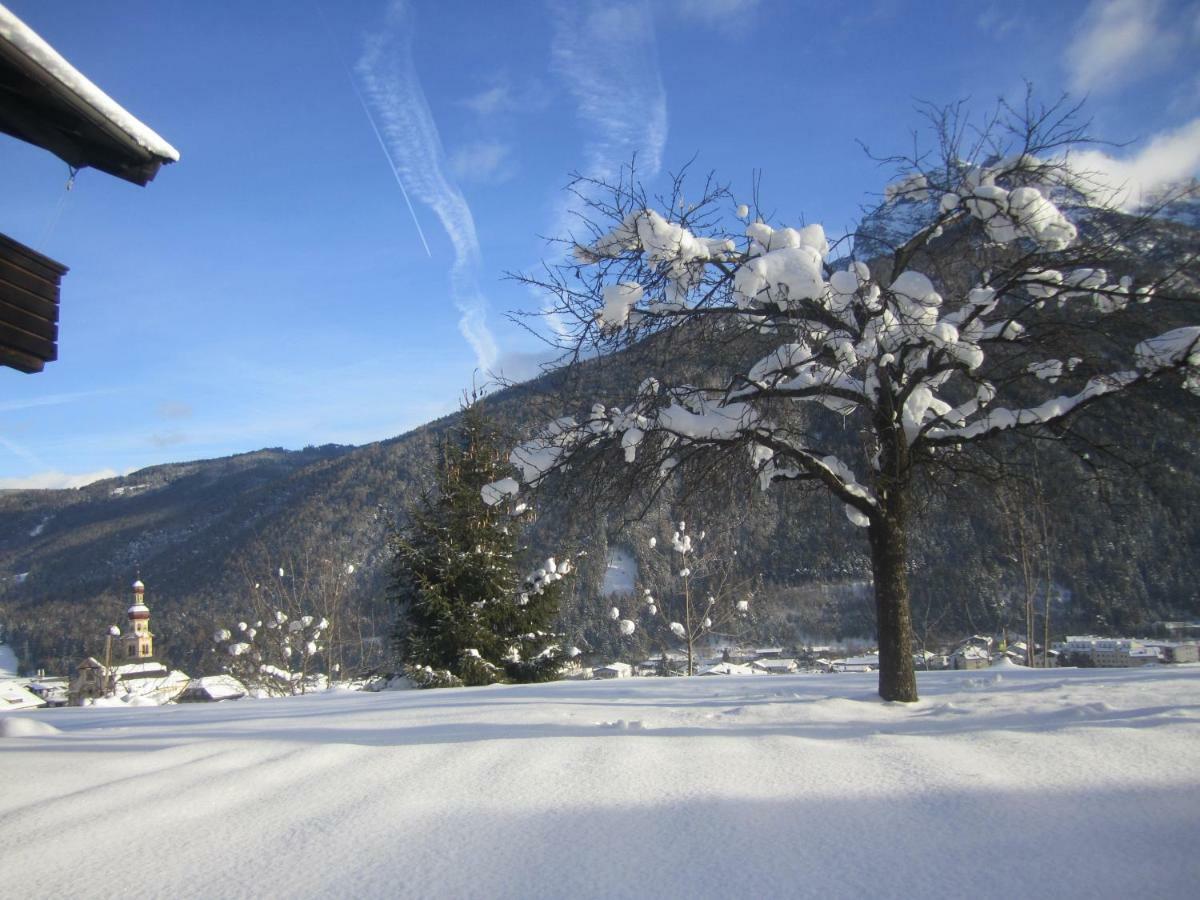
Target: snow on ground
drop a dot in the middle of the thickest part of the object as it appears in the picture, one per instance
(1082, 782)
(8, 662)
(620, 575)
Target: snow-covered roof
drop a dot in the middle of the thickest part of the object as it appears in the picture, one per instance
(972, 652)
(50, 103)
(775, 663)
(153, 689)
(867, 659)
(217, 687)
(618, 668)
(140, 670)
(725, 668)
(16, 696)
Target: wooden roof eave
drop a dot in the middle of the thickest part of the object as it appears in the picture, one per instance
(40, 110)
(46, 101)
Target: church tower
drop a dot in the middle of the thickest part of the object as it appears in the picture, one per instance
(139, 642)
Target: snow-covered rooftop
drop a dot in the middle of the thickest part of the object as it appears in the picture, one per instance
(73, 118)
(724, 668)
(14, 696)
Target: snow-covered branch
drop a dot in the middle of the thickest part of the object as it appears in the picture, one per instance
(989, 293)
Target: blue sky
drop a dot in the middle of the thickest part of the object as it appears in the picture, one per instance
(273, 288)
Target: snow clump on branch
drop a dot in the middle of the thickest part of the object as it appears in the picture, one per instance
(904, 354)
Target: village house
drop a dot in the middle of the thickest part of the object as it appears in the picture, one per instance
(212, 689)
(970, 656)
(1110, 652)
(776, 666)
(1175, 651)
(867, 662)
(727, 668)
(613, 670)
(54, 691)
(14, 696)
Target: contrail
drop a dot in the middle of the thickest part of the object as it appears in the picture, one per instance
(391, 162)
(404, 123)
(382, 145)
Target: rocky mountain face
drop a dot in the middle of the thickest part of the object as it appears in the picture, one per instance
(1108, 534)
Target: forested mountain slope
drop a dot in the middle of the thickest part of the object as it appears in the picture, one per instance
(1111, 534)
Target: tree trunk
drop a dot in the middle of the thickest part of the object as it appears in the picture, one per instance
(888, 533)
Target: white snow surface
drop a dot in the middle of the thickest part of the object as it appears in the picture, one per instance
(620, 573)
(8, 662)
(1083, 781)
(41, 54)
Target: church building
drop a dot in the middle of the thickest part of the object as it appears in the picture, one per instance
(138, 673)
(139, 640)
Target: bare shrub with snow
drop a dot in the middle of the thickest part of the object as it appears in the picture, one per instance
(698, 599)
(274, 654)
(994, 303)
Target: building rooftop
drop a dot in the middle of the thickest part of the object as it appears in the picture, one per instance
(46, 101)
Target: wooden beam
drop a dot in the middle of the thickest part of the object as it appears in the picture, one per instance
(30, 303)
(22, 362)
(28, 306)
(35, 325)
(17, 277)
(31, 260)
(24, 342)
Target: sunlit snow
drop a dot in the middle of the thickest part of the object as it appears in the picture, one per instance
(1082, 782)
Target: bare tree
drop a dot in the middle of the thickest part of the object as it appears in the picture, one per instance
(978, 303)
(1022, 502)
(696, 598)
(293, 607)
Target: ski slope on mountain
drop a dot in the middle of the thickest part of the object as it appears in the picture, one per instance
(1081, 782)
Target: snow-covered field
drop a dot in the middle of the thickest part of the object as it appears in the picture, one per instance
(999, 783)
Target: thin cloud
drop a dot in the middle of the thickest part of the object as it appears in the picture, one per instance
(54, 480)
(21, 452)
(168, 439)
(490, 102)
(50, 400)
(1167, 158)
(607, 56)
(725, 13)
(393, 91)
(172, 409)
(517, 365)
(487, 162)
(1120, 41)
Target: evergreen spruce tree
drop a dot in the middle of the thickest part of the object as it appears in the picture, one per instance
(467, 616)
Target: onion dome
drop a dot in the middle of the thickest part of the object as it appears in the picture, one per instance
(139, 610)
